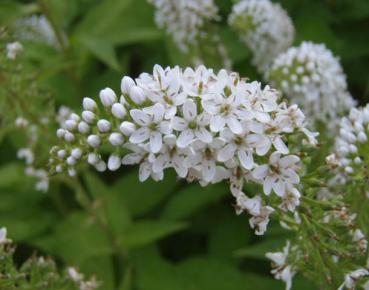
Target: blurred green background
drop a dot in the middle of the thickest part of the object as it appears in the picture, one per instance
(170, 235)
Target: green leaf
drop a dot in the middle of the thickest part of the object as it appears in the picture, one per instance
(141, 197)
(146, 232)
(191, 199)
(10, 10)
(75, 239)
(111, 202)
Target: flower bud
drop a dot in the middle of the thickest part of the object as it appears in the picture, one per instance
(21, 122)
(69, 137)
(94, 141)
(362, 137)
(72, 172)
(126, 85)
(137, 95)
(100, 166)
(60, 133)
(93, 158)
(83, 127)
(103, 125)
(88, 116)
(76, 153)
(89, 104)
(71, 161)
(70, 125)
(61, 153)
(108, 97)
(127, 128)
(118, 111)
(58, 168)
(116, 139)
(114, 162)
(74, 117)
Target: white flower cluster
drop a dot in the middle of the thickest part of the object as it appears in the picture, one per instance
(207, 127)
(184, 20)
(32, 131)
(281, 269)
(36, 28)
(313, 78)
(13, 49)
(351, 143)
(264, 27)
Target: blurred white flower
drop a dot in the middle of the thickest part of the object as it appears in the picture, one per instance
(13, 49)
(265, 27)
(313, 78)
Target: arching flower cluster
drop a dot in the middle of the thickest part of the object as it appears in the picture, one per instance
(36, 28)
(265, 28)
(207, 127)
(184, 20)
(313, 78)
(351, 144)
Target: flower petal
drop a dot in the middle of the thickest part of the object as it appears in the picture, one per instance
(140, 135)
(189, 110)
(185, 138)
(140, 117)
(156, 142)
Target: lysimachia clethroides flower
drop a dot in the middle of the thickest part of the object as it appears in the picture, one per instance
(351, 145)
(185, 20)
(264, 27)
(206, 126)
(312, 77)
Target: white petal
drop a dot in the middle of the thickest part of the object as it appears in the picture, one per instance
(246, 159)
(217, 123)
(189, 110)
(268, 184)
(234, 125)
(144, 171)
(289, 160)
(140, 117)
(158, 112)
(279, 188)
(260, 172)
(140, 135)
(185, 138)
(227, 152)
(131, 159)
(179, 124)
(208, 170)
(279, 145)
(156, 142)
(204, 135)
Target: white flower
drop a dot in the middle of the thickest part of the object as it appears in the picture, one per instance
(243, 145)
(74, 274)
(264, 27)
(13, 49)
(26, 154)
(261, 220)
(278, 174)
(281, 269)
(152, 126)
(352, 278)
(191, 125)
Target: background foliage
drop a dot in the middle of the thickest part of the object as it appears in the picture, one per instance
(150, 236)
